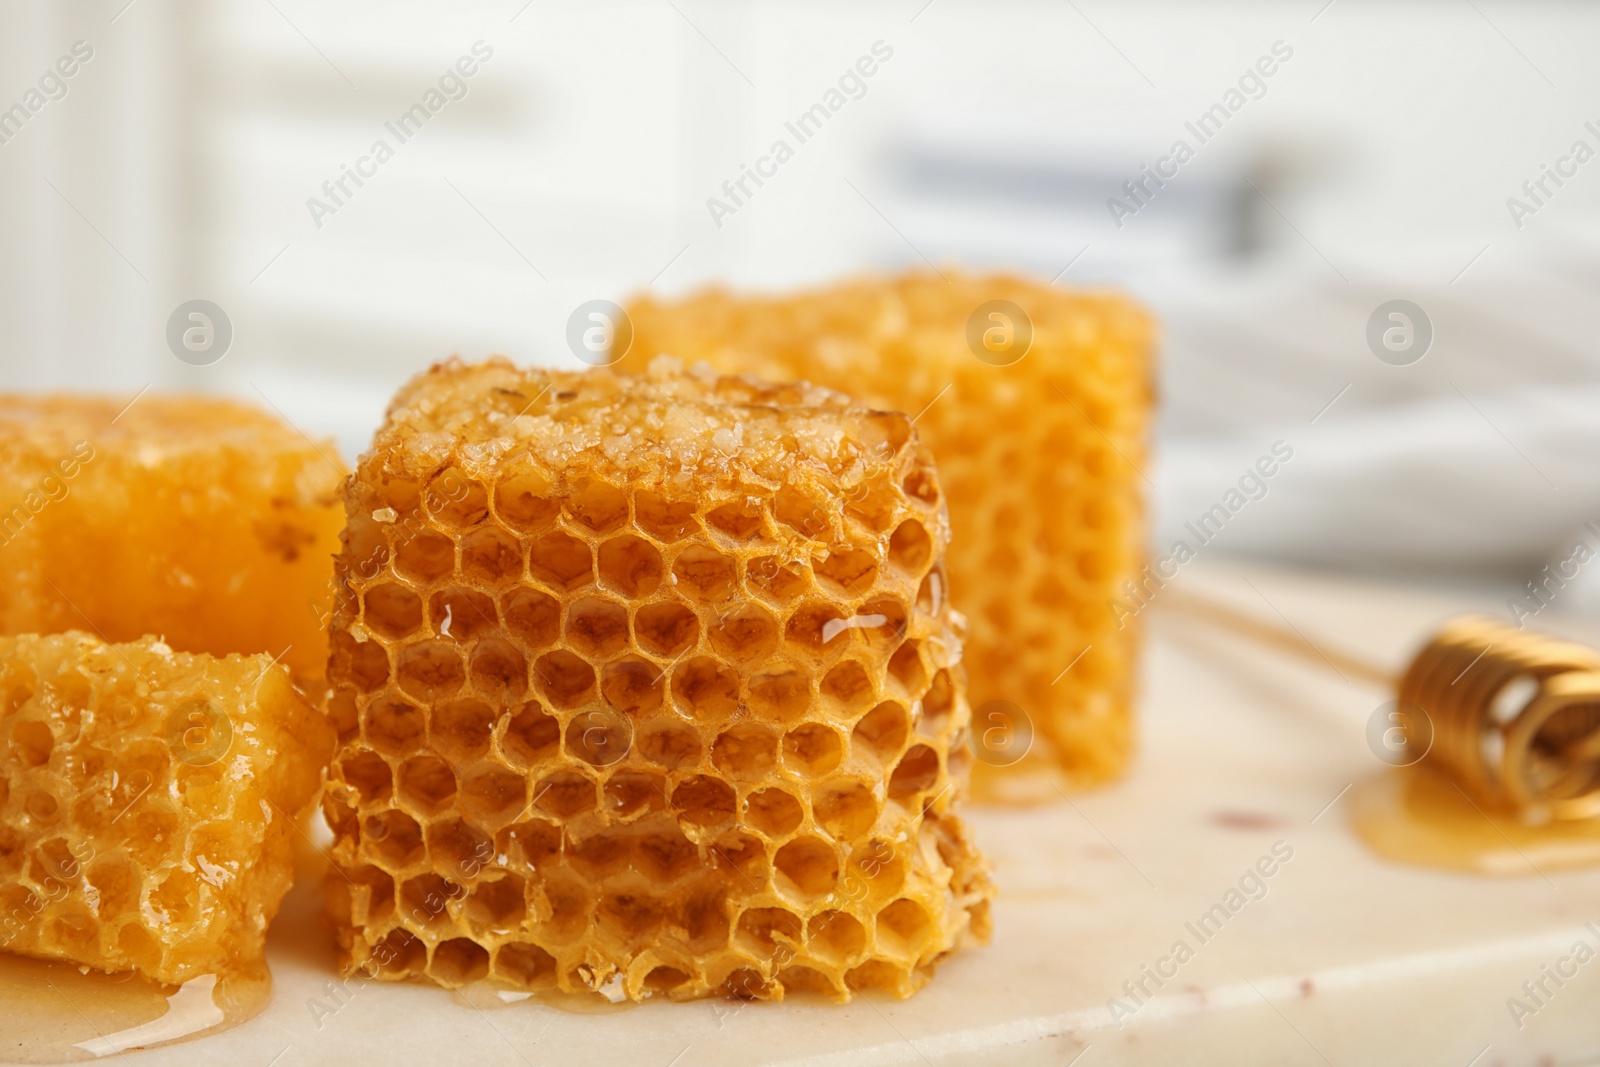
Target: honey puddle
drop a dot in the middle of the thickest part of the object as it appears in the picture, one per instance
(52, 1013)
(1417, 816)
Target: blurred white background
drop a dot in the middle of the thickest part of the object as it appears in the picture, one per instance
(1375, 163)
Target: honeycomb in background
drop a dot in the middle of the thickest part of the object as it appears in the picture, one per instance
(200, 520)
(653, 691)
(146, 800)
(1039, 459)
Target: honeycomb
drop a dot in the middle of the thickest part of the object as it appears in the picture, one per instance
(146, 802)
(199, 520)
(1040, 460)
(655, 692)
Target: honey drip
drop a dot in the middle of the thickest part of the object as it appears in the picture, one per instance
(1417, 815)
(51, 1012)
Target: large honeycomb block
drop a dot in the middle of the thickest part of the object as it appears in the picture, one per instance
(147, 800)
(196, 519)
(1040, 457)
(647, 686)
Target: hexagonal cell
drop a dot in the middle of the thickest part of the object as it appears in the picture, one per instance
(761, 930)
(425, 557)
(32, 742)
(805, 515)
(666, 628)
(849, 569)
(493, 797)
(798, 978)
(368, 894)
(781, 696)
(598, 506)
(916, 772)
(498, 670)
(366, 551)
(937, 704)
(491, 555)
(532, 735)
(669, 745)
(630, 565)
(564, 678)
(568, 899)
(523, 498)
(806, 867)
(704, 688)
(565, 794)
(741, 519)
(874, 502)
(458, 962)
(882, 623)
(430, 670)
(882, 732)
(455, 499)
(774, 812)
(458, 849)
(369, 774)
(425, 900)
(775, 578)
(601, 855)
(836, 936)
(500, 904)
(665, 856)
(630, 794)
(393, 838)
(461, 614)
(631, 918)
(561, 561)
(703, 914)
(663, 519)
(535, 844)
(599, 736)
(743, 854)
(533, 617)
(632, 685)
(525, 965)
(392, 610)
(663, 980)
(905, 667)
(812, 749)
(427, 783)
(704, 573)
(910, 547)
(364, 664)
(401, 954)
(461, 728)
(746, 752)
(848, 687)
(597, 627)
(394, 726)
(746, 634)
(704, 801)
(878, 868)
(847, 810)
(923, 484)
(812, 629)
(904, 928)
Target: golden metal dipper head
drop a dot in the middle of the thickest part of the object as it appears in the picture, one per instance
(1512, 716)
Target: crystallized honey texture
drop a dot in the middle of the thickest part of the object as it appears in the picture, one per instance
(647, 686)
(146, 802)
(1040, 460)
(196, 519)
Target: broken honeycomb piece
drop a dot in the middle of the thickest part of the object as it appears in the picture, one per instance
(1039, 456)
(197, 519)
(146, 802)
(645, 686)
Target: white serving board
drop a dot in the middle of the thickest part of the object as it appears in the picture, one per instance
(1346, 959)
